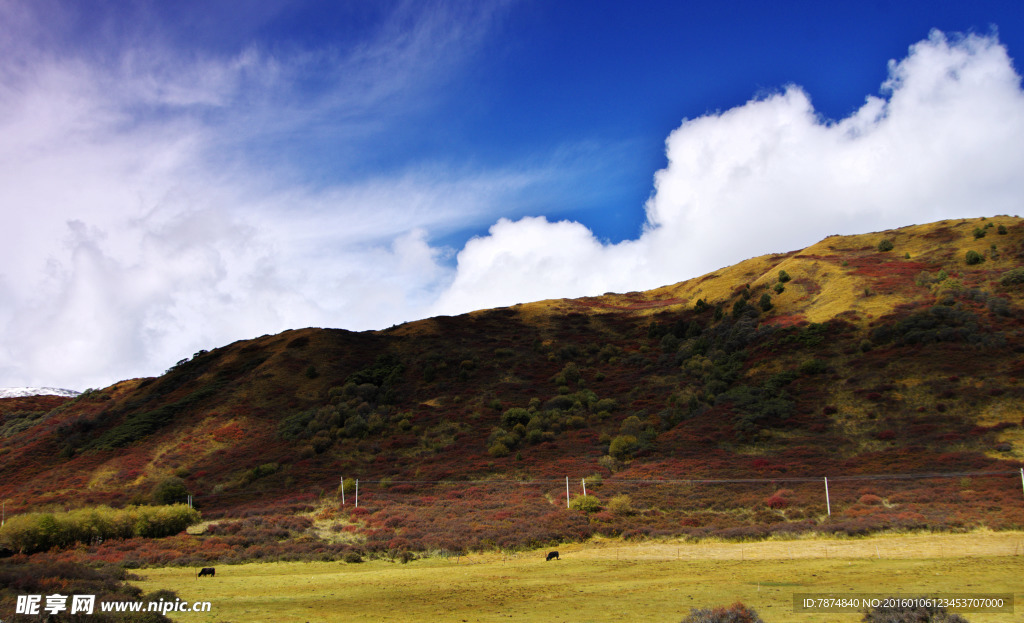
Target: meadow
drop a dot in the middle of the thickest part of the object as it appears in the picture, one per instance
(610, 580)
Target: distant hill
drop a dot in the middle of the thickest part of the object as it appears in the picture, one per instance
(19, 392)
(889, 362)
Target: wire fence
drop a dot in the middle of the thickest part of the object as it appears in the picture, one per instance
(349, 489)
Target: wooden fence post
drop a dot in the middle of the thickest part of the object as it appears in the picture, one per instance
(828, 504)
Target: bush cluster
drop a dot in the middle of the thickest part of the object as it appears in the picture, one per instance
(586, 503)
(938, 324)
(37, 532)
(107, 582)
(538, 423)
(736, 613)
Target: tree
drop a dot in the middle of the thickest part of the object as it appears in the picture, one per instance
(622, 447)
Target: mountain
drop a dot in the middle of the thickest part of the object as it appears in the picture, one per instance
(888, 362)
(19, 392)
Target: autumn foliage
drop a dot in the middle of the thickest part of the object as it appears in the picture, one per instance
(713, 407)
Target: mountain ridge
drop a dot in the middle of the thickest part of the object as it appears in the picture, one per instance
(881, 353)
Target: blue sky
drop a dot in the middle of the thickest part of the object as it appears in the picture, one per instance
(177, 176)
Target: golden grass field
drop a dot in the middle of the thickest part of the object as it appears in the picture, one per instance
(611, 581)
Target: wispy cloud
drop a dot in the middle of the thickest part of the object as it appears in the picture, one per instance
(156, 200)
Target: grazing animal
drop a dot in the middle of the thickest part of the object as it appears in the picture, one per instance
(206, 571)
(552, 555)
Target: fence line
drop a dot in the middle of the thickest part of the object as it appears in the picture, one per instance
(691, 481)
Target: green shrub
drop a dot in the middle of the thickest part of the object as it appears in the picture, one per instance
(586, 503)
(1001, 230)
(621, 505)
(979, 233)
(779, 288)
(622, 447)
(515, 415)
(783, 276)
(813, 366)
(885, 245)
(765, 302)
(1012, 277)
(350, 486)
(498, 450)
(170, 491)
(570, 373)
(738, 308)
(260, 471)
(669, 343)
(561, 403)
(973, 257)
(352, 557)
(631, 426)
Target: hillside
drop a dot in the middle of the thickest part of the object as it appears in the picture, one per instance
(890, 353)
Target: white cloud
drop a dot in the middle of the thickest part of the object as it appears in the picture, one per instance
(135, 232)
(945, 140)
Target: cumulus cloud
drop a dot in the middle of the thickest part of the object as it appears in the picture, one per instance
(944, 139)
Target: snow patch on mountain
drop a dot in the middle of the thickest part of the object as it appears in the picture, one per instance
(19, 392)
